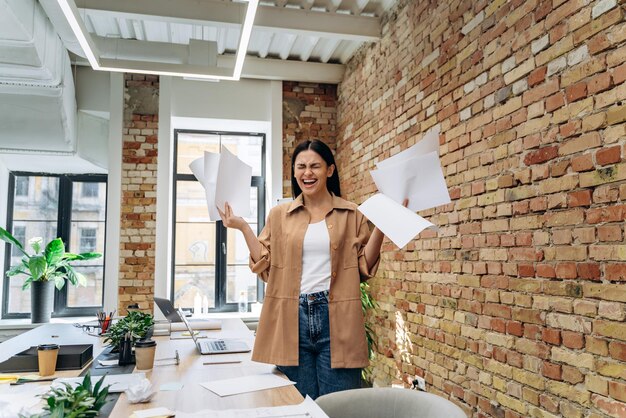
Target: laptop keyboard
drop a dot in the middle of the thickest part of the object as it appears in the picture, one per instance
(214, 345)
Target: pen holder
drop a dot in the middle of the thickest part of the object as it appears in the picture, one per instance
(126, 353)
(104, 325)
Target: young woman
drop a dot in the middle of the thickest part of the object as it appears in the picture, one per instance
(313, 253)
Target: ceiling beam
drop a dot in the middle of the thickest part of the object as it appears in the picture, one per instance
(152, 57)
(220, 13)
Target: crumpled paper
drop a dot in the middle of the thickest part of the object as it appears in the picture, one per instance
(140, 391)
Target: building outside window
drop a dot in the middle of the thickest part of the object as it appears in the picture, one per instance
(21, 186)
(90, 189)
(56, 207)
(88, 240)
(210, 262)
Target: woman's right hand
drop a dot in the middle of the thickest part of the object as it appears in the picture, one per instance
(229, 219)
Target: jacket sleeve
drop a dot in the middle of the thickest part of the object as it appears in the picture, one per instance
(262, 265)
(363, 235)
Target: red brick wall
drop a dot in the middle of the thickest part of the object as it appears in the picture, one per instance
(516, 306)
(139, 173)
(309, 112)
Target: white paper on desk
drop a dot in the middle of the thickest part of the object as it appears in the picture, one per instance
(398, 223)
(118, 382)
(306, 409)
(244, 384)
(428, 144)
(233, 184)
(205, 169)
(419, 179)
(24, 399)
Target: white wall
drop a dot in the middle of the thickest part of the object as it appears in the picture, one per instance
(243, 106)
(4, 191)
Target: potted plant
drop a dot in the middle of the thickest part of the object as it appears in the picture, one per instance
(43, 270)
(81, 401)
(138, 325)
(367, 303)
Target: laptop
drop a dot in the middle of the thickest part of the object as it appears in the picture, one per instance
(217, 346)
(176, 323)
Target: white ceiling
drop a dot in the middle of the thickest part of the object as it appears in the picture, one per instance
(294, 32)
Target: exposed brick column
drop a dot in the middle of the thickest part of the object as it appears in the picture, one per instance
(139, 174)
(516, 306)
(309, 112)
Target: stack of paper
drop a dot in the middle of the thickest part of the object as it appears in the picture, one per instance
(250, 383)
(306, 409)
(225, 178)
(414, 174)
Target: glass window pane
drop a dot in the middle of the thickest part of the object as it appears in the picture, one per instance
(90, 295)
(191, 202)
(240, 279)
(87, 236)
(190, 281)
(41, 204)
(89, 201)
(254, 206)
(195, 243)
(192, 146)
(19, 300)
(237, 250)
(248, 149)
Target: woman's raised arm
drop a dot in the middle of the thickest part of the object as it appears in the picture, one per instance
(237, 222)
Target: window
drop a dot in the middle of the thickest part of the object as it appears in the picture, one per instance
(89, 190)
(21, 186)
(19, 232)
(210, 263)
(88, 240)
(58, 208)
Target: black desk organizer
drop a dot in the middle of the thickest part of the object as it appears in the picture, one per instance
(71, 357)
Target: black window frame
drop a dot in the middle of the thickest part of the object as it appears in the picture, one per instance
(221, 235)
(64, 226)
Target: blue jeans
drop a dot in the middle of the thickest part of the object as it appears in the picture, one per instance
(313, 375)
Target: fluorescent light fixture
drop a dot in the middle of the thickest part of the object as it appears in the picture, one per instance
(93, 56)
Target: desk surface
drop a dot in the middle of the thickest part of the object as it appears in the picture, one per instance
(190, 372)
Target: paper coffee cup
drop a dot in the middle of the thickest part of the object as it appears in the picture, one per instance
(47, 358)
(144, 354)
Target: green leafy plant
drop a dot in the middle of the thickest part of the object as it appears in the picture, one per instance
(51, 264)
(136, 323)
(84, 400)
(367, 303)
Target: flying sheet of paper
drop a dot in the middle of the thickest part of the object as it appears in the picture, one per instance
(307, 409)
(428, 144)
(244, 384)
(118, 382)
(398, 223)
(205, 169)
(419, 178)
(225, 178)
(233, 183)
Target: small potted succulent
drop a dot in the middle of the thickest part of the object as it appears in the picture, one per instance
(45, 268)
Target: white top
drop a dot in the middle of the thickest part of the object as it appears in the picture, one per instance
(315, 259)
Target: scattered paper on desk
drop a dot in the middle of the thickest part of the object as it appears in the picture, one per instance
(118, 382)
(171, 386)
(108, 362)
(154, 413)
(398, 223)
(225, 178)
(244, 384)
(306, 409)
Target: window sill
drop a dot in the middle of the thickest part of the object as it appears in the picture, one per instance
(24, 323)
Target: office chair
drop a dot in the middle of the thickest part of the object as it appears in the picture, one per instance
(388, 403)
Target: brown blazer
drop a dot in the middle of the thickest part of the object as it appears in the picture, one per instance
(280, 266)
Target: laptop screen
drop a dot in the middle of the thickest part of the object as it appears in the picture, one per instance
(193, 334)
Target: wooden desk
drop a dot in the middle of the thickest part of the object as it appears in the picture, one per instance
(191, 372)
